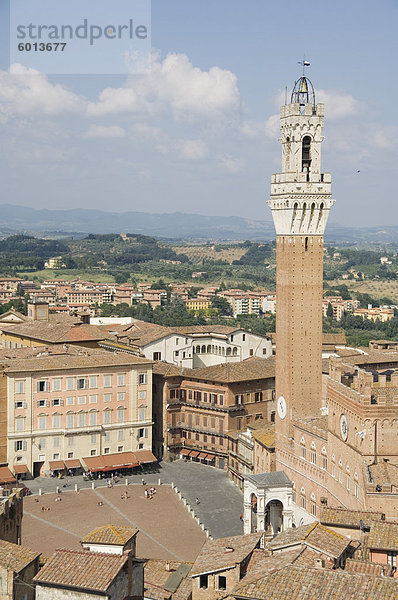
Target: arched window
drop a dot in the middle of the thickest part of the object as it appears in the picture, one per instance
(228, 351)
(306, 153)
(203, 349)
(197, 349)
(235, 352)
(209, 349)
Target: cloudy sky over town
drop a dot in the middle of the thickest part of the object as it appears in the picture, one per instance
(199, 133)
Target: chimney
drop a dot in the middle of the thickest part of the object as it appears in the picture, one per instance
(168, 567)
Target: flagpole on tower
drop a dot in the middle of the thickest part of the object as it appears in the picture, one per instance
(304, 63)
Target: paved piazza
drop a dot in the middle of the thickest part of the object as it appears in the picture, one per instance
(167, 529)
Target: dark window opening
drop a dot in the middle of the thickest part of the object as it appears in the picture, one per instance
(222, 582)
(306, 153)
(306, 244)
(204, 581)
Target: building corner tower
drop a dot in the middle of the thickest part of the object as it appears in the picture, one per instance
(300, 203)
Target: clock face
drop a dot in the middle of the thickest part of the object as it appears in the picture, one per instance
(281, 406)
(344, 427)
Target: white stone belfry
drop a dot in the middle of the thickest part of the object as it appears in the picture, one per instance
(301, 195)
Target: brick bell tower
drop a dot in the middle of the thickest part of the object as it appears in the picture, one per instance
(300, 203)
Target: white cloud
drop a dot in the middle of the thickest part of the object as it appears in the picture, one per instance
(101, 131)
(26, 92)
(192, 149)
(174, 85)
(272, 127)
(231, 163)
(380, 140)
(337, 105)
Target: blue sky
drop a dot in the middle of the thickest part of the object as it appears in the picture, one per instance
(199, 134)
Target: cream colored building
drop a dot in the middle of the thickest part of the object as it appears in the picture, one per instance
(66, 403)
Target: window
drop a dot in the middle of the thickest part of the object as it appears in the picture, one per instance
(221, 582)
(42, 422)
(333, 472)
(258, 397)
(142, 413)
(56, 442)
(20, 386)
(221, 399)
(392, 558)
(93, 399)
(70, 454)
(302, 452)
(107, 397)
(70, 401)
(56, 419)
(213, 398)
(239, 399)
(121, 396)
(348, 483)
(106, 450)
(142, 378)
(18, 445)
(121, 379)
(82, 419)
(70, 421)
(82, 383)
(120, 415)
(93, 381)
(93, 418)
(204, 581)
(56, 402)
(107, 416)
(56, 456)
(42, 443)
(107, 380)
(56, 385)
(93, 452)
(324, 463)
(20, 404)
(71, 441)
(19, 424)
(81, 400)
(93, 438)
(313, 457)
(142, 432)
(70, 383)
(157, 356)
(142, 395)
(43, 386)
(120, 448)
(120, 435)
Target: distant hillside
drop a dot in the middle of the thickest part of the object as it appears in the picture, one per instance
(21, 219)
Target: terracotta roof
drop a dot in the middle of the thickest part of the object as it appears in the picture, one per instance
(367, 568)
(55, 331)
(316, 425)
(265, 435)
(349, 518)
(383, 536)
(336, 339)
(59, 356)
(6, 476)
(303, 583)
(224, 553)
(113, 535)
(160, 583)
(384, 473)
(372, 357)
(81, 570)
(315, 536)
(16, 557)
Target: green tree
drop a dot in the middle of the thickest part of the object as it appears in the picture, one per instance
(222, 305)
(329, 311)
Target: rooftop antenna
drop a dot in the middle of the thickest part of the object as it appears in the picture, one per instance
(285, 94)
(304, 63)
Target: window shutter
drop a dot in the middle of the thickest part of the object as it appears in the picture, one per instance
(15, 446)
(47, 402)
(24, 445)
(146, 432)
